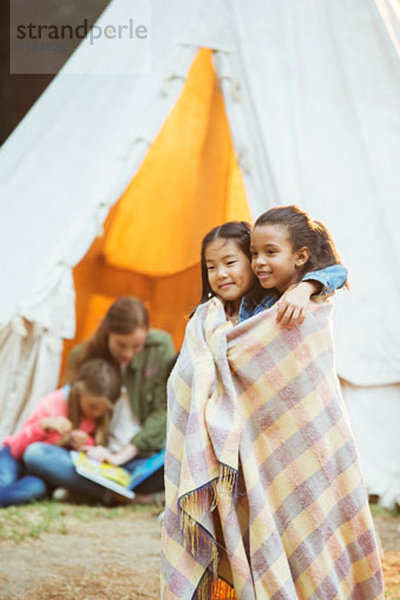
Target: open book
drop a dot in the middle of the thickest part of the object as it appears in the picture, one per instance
(114, 478)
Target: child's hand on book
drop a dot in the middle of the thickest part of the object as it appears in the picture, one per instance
(78, 439)
(124, 455)
(99, 453)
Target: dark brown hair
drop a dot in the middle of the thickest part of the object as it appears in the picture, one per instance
(239, 232)
(123, 317)
(99, 378)
(303, 231)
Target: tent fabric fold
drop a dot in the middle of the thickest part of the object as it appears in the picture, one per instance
(26, 349)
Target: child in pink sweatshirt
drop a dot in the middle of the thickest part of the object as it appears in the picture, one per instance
(73, 417)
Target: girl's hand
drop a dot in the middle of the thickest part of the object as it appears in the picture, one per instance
(98, 453)
(60, 424)
(127, 453)
(101, 454)
(294, 302)
(78, 439)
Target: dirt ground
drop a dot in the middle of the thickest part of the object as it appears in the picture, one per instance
(115, 559)
(388, 529)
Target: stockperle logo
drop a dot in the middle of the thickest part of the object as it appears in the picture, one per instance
(43, 37)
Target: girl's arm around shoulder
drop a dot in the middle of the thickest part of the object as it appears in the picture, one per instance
(293, 304)
(328, 279)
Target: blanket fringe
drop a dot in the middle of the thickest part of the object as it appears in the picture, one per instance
(197, 540)
(226, 482)
(196, 504)
(204, 589)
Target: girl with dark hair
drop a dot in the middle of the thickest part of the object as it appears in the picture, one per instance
(74, 416)
(137, 427)
(287, 247)
(239, 233)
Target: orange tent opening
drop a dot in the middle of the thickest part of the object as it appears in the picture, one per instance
(188, 183)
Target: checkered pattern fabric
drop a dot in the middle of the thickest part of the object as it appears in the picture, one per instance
(263, 481)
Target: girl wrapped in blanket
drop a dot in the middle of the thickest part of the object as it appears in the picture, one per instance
(264, 494)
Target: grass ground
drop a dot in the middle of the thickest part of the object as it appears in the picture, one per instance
(19, 523)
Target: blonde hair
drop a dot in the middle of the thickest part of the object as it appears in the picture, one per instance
(100, 378)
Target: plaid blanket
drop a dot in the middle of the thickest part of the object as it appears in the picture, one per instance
(263, 482)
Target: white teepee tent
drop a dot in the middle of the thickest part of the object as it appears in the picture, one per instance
(311, 91)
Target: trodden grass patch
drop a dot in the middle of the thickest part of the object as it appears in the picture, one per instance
(19, 523)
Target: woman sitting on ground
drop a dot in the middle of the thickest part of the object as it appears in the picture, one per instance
(138, 424)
